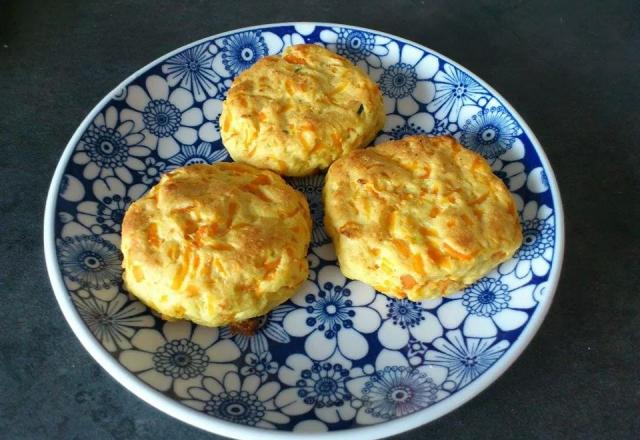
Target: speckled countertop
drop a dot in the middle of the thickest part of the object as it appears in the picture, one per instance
(569, 67)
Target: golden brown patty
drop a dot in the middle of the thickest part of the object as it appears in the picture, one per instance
(296, 113)
(216, 244)
(419, 217)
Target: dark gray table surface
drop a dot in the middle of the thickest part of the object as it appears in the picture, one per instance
(571, 68)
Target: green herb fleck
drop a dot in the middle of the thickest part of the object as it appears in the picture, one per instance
(298, 69)
(360, 109)
(285, 131)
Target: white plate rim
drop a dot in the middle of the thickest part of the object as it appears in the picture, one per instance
(211, 424)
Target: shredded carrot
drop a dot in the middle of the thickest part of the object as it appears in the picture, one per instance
(435, 255)
(192, 290)
(251, 188)
(195, 262)
(407, 281)
(262, 179)
(152, 235)
(308, 139)
(337, 140)
(499, 254)
(456, 254)
(290, 87)
(138, 273)
(173, 251)
(182, 270)
(293, 59)
(226, 123)
(417, 265)
(189, 227)
(350, 229)
(219, 266)
(479, 200)
(426, 232)
(206, 269)
(292, 213)
(426, 174)
(402, 247)
(268, 267)
(222, 247)
(205, 231)
(233, 208)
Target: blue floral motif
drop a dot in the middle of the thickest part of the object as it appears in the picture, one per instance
(405, 313)
(398, 391)
(204, 153)
(192, 70)
(396, 127)
(241, 50)
(416, 350)
(246, 402)
(113, 198)
(360, 47)
(398, 81)
(90, 261)
(110, 211)
(441, 128)
(166, 117)
(311, 187)
(355, 45)
(223, 88)
(545, 179)
(71, 188)
(406, 130)
(334, 314)
(491, 132)
(179, 356)
(537, 236)
(105, 146)
(161, 117)
(180, 359)
(261, 365)
(109, 147)
(153, 170)
(453, 89)
(537, 181)
(64, 184)
(113, 322)
(268, 327)
(323, 385)
(210, 130)
(465, 359)
(404, 319)
(405, 79)
(490, 303)
(320, 386)
(486, 297)
(330, 310)
(511, 173)
(538, 239)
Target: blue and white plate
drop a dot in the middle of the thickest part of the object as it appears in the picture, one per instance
(339, 359)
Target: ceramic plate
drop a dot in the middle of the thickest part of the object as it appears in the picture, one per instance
(339, 359)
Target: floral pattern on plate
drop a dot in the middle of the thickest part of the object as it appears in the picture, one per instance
(338, 354)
